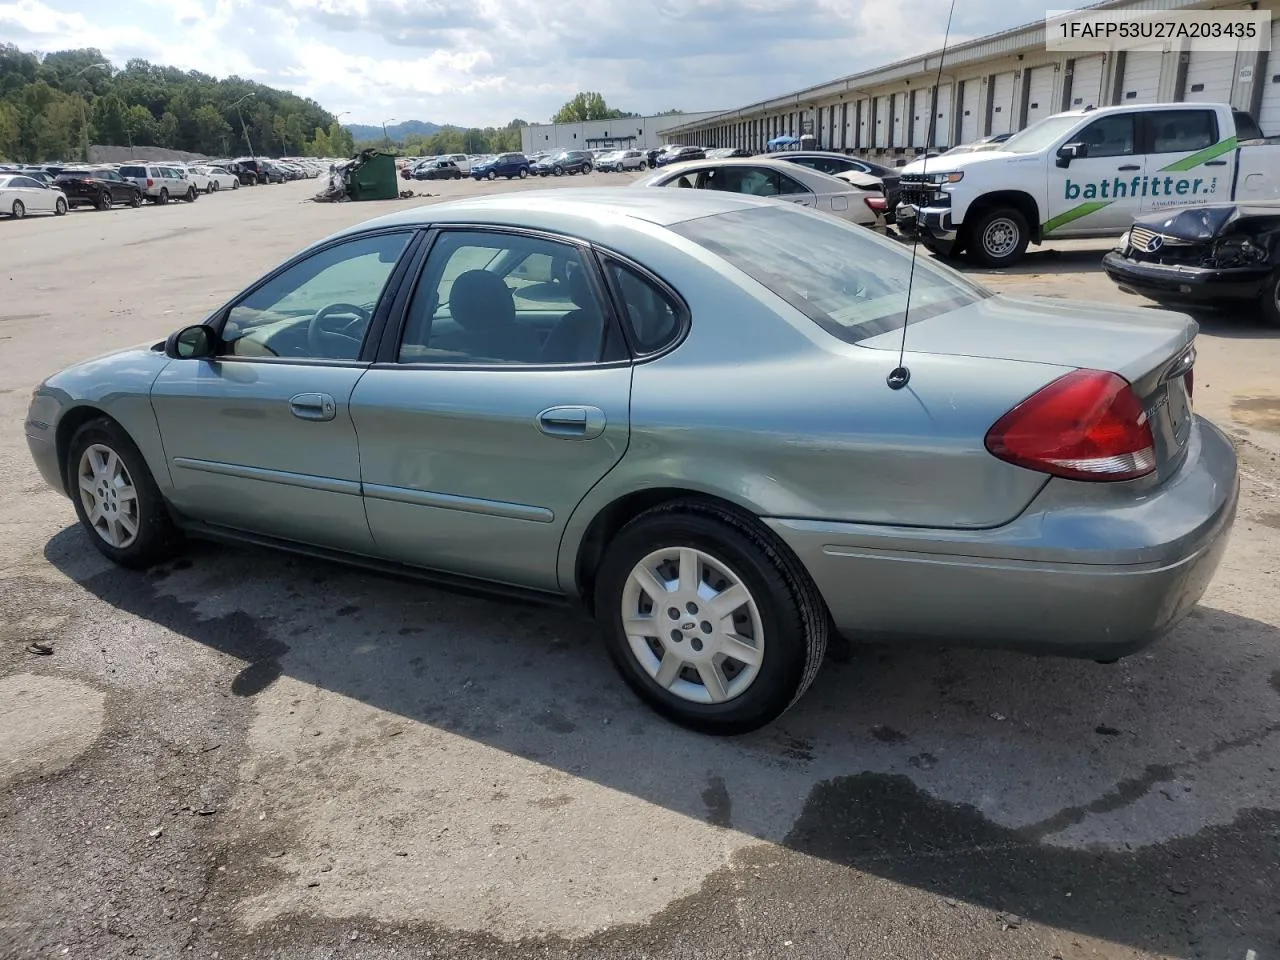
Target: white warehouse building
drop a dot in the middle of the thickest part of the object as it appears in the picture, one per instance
(1000, 84)
(626, 132)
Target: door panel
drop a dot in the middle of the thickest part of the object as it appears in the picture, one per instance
(240, 456)
(1209, 76)
(1040, 93)
(1100, 192)
(971, 119)
(1086, 83)
(1141, 76)
(1003, 103)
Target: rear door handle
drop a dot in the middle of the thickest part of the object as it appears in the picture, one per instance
(313, 406)
(1130, 166)
(572, 422)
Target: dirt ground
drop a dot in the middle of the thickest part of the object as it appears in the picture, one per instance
(243, 754)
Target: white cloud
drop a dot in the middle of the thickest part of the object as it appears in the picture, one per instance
(487, 61)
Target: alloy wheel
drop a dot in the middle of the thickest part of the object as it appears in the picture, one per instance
(109, 496)
(19, 210)
(692, 625)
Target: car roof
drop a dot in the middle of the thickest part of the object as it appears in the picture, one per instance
(586, 212)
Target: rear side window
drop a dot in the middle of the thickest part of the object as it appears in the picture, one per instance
(1181, 131)
(651, 315)
(1246, 127)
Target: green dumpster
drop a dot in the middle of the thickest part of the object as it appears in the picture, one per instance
(373, 177)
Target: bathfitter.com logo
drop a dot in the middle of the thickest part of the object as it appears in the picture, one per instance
(1119, 188)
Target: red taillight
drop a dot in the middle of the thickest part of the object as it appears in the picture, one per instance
(878, 204)
(150, 182)
(1087, 425)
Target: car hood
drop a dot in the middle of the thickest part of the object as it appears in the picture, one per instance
(120, 371)
(1204, 222)
(1100, 336)
(964, 161)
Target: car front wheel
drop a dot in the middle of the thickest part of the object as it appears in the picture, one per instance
(999, 238)
(164, 195)
(191, 195)
(104, 201)
(493, 175)
(135, 199)
(19, 210)
(60, 207)
(116, 498)
(708, 618)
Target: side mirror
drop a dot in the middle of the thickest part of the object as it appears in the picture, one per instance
(190, 343)
(1072, 151)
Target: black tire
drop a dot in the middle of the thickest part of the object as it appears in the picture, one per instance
(999, 237)
(104, 200)
(157, 538)
(492, 175)
(135, 199)
(19, 210)
(235, 184)
(192, 194)
(558, 170)
(792, 613)
(164, 196)
(523, 173)
(1269, 302)
(587, 168)
(643, 166)
(60, 207)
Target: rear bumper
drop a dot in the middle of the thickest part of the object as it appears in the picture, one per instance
(1095, 576)
(1184, 283)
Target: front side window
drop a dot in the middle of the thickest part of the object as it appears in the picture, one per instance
(1111, 136)
(843, 277)
(1181, 131)
(319, 308)
(503, 299)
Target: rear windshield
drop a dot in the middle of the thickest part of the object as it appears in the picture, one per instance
(133, 171)
(842, 276)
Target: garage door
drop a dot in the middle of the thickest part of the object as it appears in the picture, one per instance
(882, 121)
(1086, 83)
(920, 118)
(864, 124)
(1002, 104)
(1040, 94)
(900, 120)
(1209, 76)
(942, 119)
(971, 111)
(1141, 76)
(1269, 114)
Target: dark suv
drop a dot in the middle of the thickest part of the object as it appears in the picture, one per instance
(567, 161)
(99, 187)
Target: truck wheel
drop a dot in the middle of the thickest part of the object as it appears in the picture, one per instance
(999, 238)
(1269, 302)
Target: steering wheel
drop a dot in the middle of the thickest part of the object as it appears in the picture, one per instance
(321, 338)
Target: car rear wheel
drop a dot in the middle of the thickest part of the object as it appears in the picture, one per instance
(60, 207)
(523, 173)
(587, 168)
(116, 498)
(19, 210)
(642, 166)
(999, 238)
(164, 195)
(708, 618)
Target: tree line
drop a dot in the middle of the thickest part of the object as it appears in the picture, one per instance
(52, 105)
(456, 140)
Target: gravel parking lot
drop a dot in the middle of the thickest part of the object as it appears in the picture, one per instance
(244, 754)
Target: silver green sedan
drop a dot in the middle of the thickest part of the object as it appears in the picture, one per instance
(685, 411)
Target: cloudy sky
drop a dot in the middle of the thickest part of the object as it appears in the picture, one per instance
(486, 61)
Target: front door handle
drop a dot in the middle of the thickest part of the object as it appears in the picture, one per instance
(1130, 166)
(313, 406)
(572, 422)
(1215, 163)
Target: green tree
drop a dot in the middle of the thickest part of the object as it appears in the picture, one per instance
(109, 120)
(321, 146)
(212, 131)
(587, 106)
(10, 131)
(168, 130)
(140, 126)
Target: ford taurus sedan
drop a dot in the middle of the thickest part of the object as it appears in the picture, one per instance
(686, 412)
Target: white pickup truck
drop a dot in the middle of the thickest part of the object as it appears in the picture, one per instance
(1085, 173)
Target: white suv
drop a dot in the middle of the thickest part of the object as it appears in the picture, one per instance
(461, 159)
(160, 183)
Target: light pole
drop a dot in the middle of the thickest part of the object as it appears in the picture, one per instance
(243, 128)
(84, 119)
(386, 139)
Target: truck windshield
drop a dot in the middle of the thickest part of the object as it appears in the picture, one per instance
(1040, 135)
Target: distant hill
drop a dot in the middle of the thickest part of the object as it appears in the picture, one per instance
(396, 131)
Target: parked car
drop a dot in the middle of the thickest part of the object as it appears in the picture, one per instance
(565, 161)
(621, 160)
(1223, 255)
(1049, 493)
(220, 178)
(99, 187)
(21, 194)
(507, 165)
(198, 178)
(440, 169)
(1085, 174)
(161, 182)
(678, 154)
(836, 163)
(253, 171)
(765, 177)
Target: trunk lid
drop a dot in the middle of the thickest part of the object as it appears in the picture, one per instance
(1152, 349)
